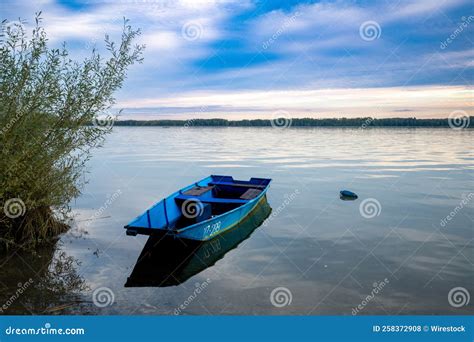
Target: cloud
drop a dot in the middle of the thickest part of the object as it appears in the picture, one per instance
(154, 17)
(301, 56)
(431, 101)
(425, 8)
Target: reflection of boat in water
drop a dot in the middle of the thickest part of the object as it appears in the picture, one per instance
(167, 261)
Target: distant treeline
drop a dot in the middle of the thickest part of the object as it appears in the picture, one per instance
(303, 122)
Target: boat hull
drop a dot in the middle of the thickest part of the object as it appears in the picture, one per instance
(209, 229)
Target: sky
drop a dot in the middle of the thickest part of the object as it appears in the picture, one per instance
(258, 59)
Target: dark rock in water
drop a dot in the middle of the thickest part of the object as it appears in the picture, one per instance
(347, 195)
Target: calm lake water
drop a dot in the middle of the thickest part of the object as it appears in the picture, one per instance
(391, 251)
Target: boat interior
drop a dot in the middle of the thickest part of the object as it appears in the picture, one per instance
(219, 195)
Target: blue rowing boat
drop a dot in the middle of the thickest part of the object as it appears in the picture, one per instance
(202, 210)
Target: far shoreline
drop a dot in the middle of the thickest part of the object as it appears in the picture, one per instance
(456, 122)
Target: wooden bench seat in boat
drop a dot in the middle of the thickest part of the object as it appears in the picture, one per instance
(184, 197)
(239, 185)
(250, 194)
(198, 190)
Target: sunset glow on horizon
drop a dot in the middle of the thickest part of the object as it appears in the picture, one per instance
(421, 102)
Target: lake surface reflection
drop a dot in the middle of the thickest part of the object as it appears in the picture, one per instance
(322, 254)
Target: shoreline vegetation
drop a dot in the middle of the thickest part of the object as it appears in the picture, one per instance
(47, 100)
(302, 122)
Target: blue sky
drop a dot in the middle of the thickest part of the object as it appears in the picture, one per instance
(244, 59)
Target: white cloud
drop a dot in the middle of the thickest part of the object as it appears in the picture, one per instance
(408, 8)
(317, 46)
(153, 17)
(429, 101)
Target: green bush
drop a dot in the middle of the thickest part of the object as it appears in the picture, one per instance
(50, 119)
